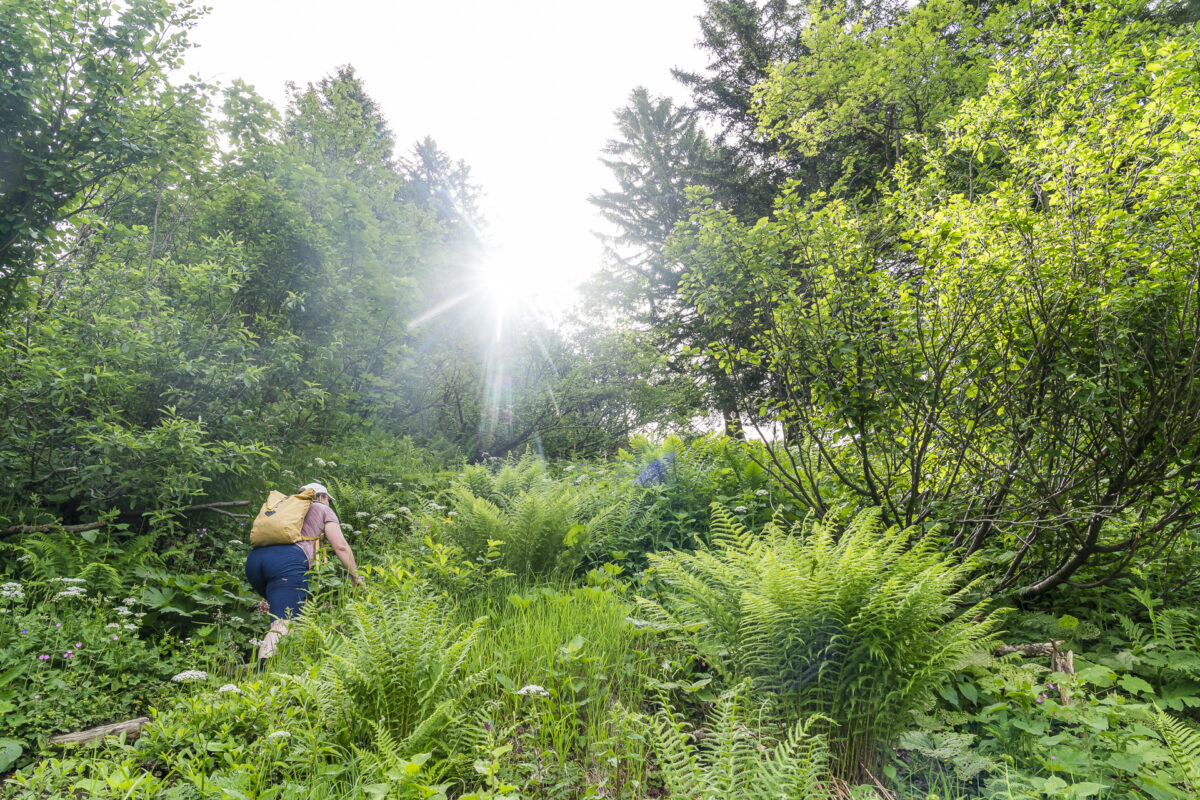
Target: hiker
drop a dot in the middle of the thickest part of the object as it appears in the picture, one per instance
(278, 572)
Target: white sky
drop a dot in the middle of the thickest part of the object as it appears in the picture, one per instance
(523, 90)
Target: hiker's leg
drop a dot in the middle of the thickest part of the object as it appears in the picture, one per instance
(278, 629)
(286, 592)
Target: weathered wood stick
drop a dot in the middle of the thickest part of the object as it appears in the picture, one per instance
(1037, 649)
(218, 508)
(130, 728)
(53, 526)
(214, 506)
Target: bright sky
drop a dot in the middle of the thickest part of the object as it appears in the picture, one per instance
(523, 90)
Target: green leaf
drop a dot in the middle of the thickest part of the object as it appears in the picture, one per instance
(1067, 622)
(1135, 685)
(10, 751)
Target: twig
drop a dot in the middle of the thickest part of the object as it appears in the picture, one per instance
(216, 508)
(886, 794)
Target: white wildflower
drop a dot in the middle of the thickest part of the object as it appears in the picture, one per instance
(331, 463)
(741, 509)
(255, 642)
(451, 513)
(23, 557)
(72, 591)
(398, 484)
(279, 735)
(190, 675)
(288, 472)
(533, 689)
(230, 687)
(436, 507)
(362, 514)
(130, 627)
(569, 468)
(140, 614)
(236, 620)
(405, 510)
(12, 591)
(761, 493)
(347, 527)
(67, 580)
(113, 625)
(389, 516)
(128, 601)
(373, 525)
(122, 611)
(320, 462)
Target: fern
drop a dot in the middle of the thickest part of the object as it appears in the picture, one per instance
(860, 628)
(541, 524)
(732, 761)
(399, 668)
(1184, 745)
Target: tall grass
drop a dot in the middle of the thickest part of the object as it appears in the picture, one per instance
(567, 667)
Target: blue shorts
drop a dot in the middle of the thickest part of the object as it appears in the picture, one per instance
(278, 572)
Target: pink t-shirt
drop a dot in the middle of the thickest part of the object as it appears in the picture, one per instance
(314, 528)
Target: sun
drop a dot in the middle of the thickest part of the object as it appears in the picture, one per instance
(505, 286)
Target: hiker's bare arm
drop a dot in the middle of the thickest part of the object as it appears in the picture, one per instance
(341, 548)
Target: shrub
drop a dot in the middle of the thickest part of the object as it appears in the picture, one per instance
(860, 628)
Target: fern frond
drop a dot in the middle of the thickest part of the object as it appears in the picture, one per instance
(1183, 743)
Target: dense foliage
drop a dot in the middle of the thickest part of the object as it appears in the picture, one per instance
(932, 267)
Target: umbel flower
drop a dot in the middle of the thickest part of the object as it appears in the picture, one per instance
(190, 675)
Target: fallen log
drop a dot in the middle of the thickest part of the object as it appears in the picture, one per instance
(54, 526)
(1037, 649)
(1060, 660)
(130, 729)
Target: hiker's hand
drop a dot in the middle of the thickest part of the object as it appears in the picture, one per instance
(358, 580)
(264, 606)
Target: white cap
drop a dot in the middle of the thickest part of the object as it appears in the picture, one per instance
(317, 488)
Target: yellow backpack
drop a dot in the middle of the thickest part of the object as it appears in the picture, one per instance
(281, 518)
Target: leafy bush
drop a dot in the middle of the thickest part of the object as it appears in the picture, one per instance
(861, 627)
